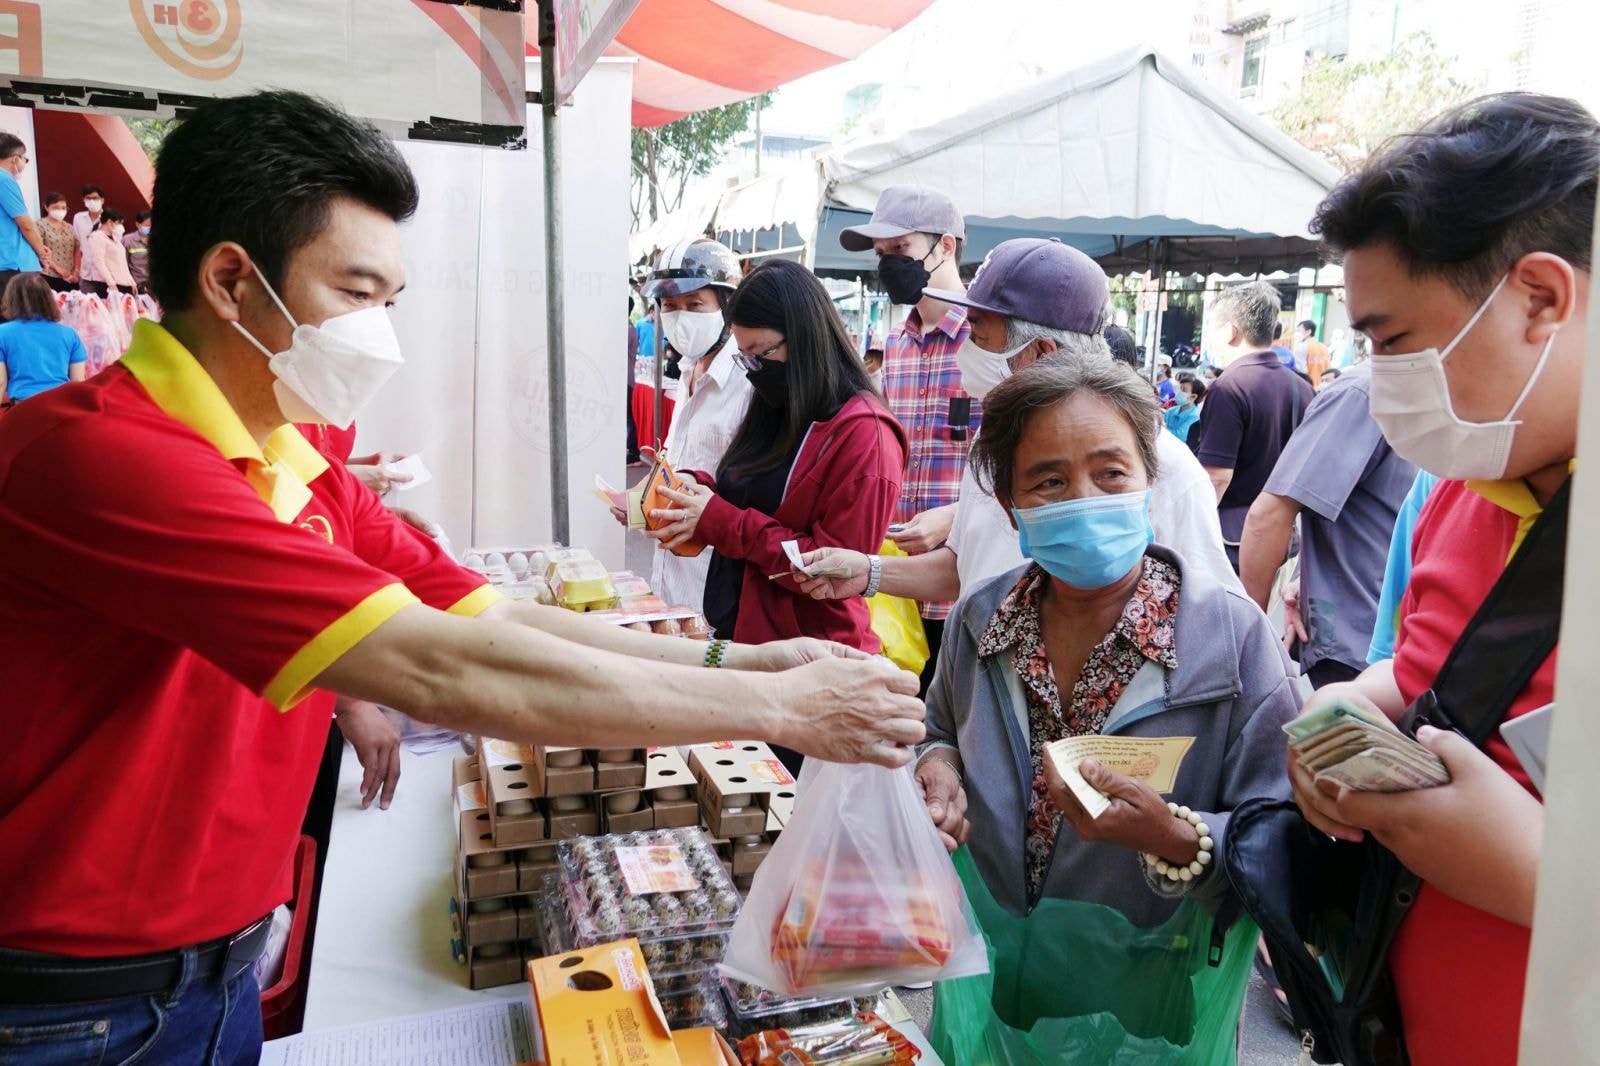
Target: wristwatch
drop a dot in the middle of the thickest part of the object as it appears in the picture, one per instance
(874, 575)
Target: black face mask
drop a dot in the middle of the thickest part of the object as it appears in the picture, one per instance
(903, 277)
(771, 382)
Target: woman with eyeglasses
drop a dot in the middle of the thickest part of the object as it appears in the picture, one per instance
(818, 459)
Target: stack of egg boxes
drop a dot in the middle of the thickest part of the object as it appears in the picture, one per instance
(746, 797)
(496, 922)
(515, 802)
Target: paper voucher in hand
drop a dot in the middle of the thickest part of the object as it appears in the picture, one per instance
(791, 548)
(1344, 744)
(409, 467)
(1153, 760)
(627, 502)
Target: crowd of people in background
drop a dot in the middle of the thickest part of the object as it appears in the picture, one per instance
(1113, 537)
(94, 253)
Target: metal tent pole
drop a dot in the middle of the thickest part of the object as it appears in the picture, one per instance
(555, 311)
(660, 403)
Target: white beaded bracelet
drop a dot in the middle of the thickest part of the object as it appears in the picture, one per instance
(1178, 871)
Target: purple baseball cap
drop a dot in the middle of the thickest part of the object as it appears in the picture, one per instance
(904, 209)
(1040, 281)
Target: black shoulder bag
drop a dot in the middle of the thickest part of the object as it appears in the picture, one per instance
(1329, 910)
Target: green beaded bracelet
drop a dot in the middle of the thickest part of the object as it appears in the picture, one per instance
(714, 653)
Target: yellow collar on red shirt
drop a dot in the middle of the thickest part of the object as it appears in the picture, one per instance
(280, 472)
(1512, 494)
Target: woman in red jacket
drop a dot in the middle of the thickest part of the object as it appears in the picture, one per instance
(818, 459)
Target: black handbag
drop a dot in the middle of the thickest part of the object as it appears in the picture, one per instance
(1329, 910)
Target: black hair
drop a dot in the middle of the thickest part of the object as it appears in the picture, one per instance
(1478, 188)
(824, 372)
(1309, 326)
(285, 156)
(1277, 331)
(110, 214)
(91, 190)
(142, 216)
(29, 296)
(1124, 348)
(1197, 386)
(10, 145)
(53, 198)
(1011, 407)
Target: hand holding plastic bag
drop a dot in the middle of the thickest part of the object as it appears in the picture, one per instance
(858, 893)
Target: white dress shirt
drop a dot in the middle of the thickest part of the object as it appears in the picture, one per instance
(1183, 511)
(708, 414)
(84, 225)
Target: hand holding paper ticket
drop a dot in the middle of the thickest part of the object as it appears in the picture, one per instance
(408, 473)
(798, 569)
(1153, 760)
(1349, 746)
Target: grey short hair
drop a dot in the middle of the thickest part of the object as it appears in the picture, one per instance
(1252, 308)
(1009, 408)
(1019, 333)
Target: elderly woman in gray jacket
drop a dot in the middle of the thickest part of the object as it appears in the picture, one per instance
(1102, 633)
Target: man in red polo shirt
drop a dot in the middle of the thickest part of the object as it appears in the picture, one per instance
(1466, 253)
(185, 582)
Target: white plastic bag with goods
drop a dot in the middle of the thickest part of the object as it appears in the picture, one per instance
(857, 893)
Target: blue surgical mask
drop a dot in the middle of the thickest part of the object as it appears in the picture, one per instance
(1087, 543)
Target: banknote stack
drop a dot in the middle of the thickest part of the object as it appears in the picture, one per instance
(1349, 746)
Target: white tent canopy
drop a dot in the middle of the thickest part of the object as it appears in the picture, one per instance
(1128, 158)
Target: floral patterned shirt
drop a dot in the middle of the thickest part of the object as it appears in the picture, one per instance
(1144, 633)
(62, 240)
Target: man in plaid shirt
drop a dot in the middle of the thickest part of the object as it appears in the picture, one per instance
(917, 233)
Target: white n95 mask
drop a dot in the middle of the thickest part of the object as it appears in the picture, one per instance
(983, 371)
(330, 372)
(693, 334)
(1410, 401)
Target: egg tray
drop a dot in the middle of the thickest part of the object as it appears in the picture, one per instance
(601, 900)
(752, 1009)
(667, 953)
(698, 1005)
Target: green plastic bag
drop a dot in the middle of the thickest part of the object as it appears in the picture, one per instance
(1077, 983)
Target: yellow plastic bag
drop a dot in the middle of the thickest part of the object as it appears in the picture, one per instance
(898, 624)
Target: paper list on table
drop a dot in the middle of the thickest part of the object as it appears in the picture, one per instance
(490, 1034)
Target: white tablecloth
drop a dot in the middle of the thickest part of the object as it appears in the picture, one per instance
(383, 925)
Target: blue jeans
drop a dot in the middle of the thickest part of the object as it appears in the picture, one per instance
(199, 1022)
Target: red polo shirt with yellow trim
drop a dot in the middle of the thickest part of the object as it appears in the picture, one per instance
(168, 593)
(1460, 971)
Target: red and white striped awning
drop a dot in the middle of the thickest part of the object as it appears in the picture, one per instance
(699, 54)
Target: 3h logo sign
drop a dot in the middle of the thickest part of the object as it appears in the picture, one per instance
(27, 44)
(200, 38)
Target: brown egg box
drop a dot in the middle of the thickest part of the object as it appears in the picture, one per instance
(738, 774)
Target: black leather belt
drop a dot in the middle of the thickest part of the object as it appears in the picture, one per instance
(32, 979)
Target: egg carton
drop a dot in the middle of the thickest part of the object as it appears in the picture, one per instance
(648, 884)
(752, 1009)
(695, 1004)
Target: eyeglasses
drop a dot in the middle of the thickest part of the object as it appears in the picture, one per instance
(751, 363)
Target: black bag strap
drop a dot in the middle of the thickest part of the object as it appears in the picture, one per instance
(1509, 637)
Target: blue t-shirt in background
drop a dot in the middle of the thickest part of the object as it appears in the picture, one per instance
(36, 354)
(15, 251)
(1181, 419)
(647, 338)
(1168, 391)
(1397, 573)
